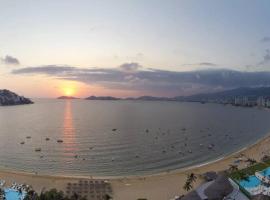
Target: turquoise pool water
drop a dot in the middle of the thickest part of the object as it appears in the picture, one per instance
(253, 181)
(13, 195)
(266, 172)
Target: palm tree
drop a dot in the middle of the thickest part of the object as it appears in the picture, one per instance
(188, 186)
(233, 168)
(251, 161)
(2, 193)
(107, 197)
(30, 195)
(192, 177)
(243, 176)
(75, 196)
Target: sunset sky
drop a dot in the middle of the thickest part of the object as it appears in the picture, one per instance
(132, 47)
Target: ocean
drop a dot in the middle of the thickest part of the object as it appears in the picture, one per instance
(122, 138)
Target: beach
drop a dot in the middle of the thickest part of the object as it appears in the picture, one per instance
(157, 187)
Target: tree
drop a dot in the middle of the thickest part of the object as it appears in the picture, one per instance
(75, 196)
(52, 194)
(107, 197)
(191, 178)
(233, 168)
(2, 192)
(31, 195)
(251, 161)
(244, 176)
(188, 186)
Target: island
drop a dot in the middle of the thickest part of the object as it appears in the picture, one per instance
(8, 98)
(67, 97)
(102, 98)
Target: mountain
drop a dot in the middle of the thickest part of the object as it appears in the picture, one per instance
(10, 98)
(151, 98)
(227, 94)
(102, 98)
(67, 97)
(142, 98)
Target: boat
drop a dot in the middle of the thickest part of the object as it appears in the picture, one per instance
(37, 149)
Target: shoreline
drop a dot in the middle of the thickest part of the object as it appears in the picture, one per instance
(154, 186)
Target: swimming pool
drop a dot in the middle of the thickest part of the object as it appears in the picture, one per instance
(11, 194)
(252, 182)
(266, 172)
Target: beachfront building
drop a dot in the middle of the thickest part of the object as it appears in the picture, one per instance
(245, 101)
(220, 188)
(267, 103)
(261, 102)
(238, 101)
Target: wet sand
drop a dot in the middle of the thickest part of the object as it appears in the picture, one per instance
(157, 187)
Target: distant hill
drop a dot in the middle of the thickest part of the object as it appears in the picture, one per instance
(67, 97)
(151, 98)
(227, 94)
(102, 98)
(142, 98)
(222, 96)
(10, 98)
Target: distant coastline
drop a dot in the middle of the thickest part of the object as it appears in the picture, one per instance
(8, 98)
(244, 97)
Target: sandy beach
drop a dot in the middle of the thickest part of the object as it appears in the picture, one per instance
(156, 187)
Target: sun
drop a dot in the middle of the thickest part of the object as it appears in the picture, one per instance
(69, 91)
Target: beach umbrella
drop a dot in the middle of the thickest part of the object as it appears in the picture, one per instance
(191, 196)
(260, 197)
(219, 189)
(210, 176)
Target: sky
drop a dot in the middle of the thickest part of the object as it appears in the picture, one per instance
(133, 48)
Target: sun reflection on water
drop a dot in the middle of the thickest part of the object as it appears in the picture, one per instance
(69, 131)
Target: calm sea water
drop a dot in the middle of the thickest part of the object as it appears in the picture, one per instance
(150, 137)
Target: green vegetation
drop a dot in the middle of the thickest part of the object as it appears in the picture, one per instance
(267, 162)
(52, 194)
(244, 173)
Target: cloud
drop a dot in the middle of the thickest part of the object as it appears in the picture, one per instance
(209, 64)
(266, 57)
(9, 60)
(265, 39)
(130, 67)
(151, 81)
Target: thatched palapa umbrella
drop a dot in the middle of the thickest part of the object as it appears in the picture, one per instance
(191, 196)
(260, 197)
(219, 189)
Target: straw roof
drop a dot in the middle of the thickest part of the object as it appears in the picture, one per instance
(260, 197)
(209, 176)
(191, 196)
(220, 188)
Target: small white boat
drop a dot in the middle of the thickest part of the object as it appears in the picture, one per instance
(37, 149)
